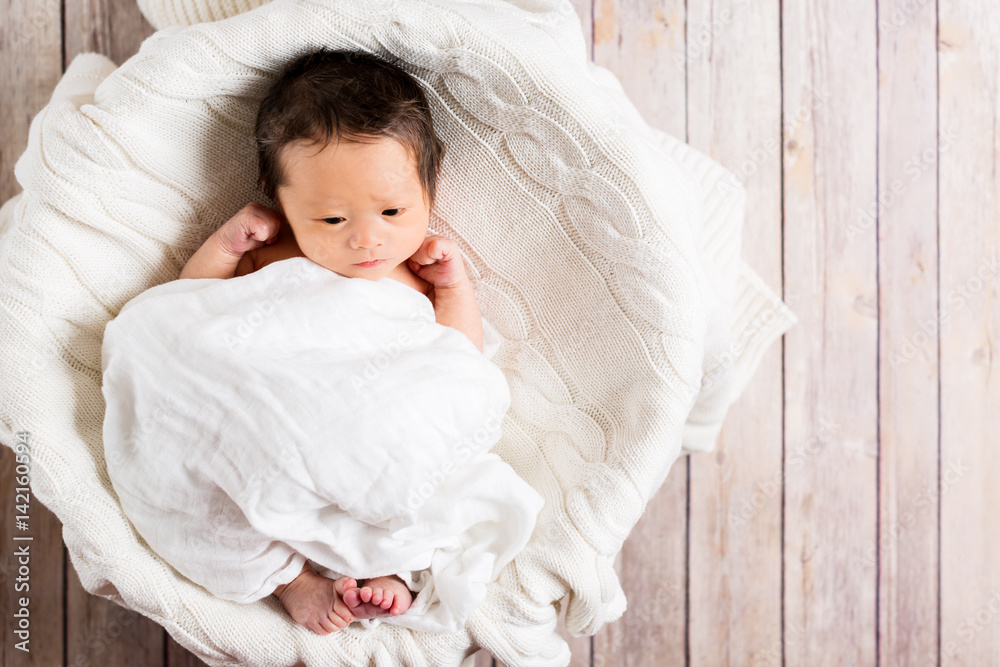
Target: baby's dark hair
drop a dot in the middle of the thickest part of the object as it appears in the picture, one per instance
(345, 95)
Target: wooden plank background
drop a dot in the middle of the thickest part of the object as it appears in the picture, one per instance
(846, 517)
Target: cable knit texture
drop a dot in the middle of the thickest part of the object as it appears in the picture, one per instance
(604, 252)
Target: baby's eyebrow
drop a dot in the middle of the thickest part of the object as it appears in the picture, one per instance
(395, 198)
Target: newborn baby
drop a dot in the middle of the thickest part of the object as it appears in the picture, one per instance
(353, 176)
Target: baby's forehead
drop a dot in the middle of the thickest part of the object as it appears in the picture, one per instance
(312, 191)
(296, 150)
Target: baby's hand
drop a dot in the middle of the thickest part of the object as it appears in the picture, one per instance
(439, 262)
(253, 225)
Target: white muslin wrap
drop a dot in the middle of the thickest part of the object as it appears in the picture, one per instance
(294, 413)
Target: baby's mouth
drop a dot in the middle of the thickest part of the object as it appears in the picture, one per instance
(371, 264)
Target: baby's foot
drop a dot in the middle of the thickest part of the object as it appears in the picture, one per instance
(379, 596)
(316, 602)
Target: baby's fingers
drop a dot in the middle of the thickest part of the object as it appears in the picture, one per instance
(422, 256)
(264, 226)
(433, 249)
(252, 226)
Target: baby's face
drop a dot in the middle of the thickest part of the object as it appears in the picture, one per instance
(353, 203)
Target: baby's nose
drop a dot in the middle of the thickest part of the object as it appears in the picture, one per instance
(366, 235)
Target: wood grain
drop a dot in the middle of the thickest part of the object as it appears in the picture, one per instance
(31, 54)
(905, 555)
(115, 28)
(831, 357)
(734, 107)
(969, 311)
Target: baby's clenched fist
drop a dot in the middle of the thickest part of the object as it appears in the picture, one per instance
(439, 262)
(253, 226)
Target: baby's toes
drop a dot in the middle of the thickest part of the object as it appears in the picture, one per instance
(352, 598)
(365, 593)
(386, 599)
(342, 611)
(377, 594)
(400, 604)
(336, 621)
(344, 584)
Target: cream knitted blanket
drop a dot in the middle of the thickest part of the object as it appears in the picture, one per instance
(606, 254)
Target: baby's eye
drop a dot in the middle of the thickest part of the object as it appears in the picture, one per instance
(392, 209)
(327, 220)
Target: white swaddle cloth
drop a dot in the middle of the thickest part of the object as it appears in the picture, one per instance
(294, 413)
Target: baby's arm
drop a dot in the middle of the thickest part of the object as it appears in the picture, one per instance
(439, 262)
(211, 260)
(228, 248)
(456, 307)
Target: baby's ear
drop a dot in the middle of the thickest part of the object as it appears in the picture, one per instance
(276, 200)
(262, 186)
